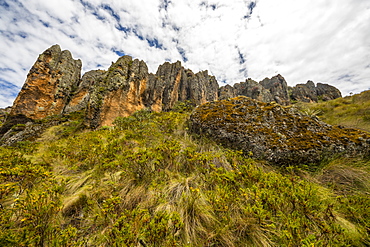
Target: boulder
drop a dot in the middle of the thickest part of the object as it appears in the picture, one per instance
(281, 135)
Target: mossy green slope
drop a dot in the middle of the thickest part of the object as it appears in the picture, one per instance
(149, 182)
(351, 111)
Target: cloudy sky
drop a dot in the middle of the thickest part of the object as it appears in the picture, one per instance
(320, 40)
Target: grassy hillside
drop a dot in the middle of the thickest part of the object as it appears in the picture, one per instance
(351, 111)
(149, 182)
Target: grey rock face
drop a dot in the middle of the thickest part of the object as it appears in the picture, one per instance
(305, 92)
(310, 93)
(173, 83)
(80, 97)
(226, 92)
(278, 88)
(268, 90)
(327, 92)
(249, 88)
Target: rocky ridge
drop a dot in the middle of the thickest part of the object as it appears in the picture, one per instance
(277, 90)
(54, 87)
(281, 135)
(310, 93)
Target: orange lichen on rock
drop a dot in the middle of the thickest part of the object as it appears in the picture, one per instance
(48, 85)
(122, 104)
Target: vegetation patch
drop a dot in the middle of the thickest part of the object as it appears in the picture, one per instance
(351, 111)
(148, 181)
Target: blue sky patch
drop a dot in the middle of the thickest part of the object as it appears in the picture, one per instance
(182, 53)
(87, 5)
(165, 4)
(251, 6)
(23, 35)
(154, 43)
(9, 87)
(137, 34)
(6, 69)
(119, 53)
(4, 4)
(107, 8)
(345, 77)
(122, 28)
(99, 17)
(45, 24)
(241, 57)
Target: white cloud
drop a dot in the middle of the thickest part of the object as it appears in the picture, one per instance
(316, 40)
(324, 41)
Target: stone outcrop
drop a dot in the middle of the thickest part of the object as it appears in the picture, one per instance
(249, 88)
(127, 87)
(173, 83)
(20, 132)
(53, 87)
(48, 86)
(80, 98)
(305, 92)
(327, 92)
(281, 135)
(278, 88)
(119, 92)
(267, 90)
(310, 93)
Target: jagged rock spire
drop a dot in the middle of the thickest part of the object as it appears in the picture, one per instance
(49, 84)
